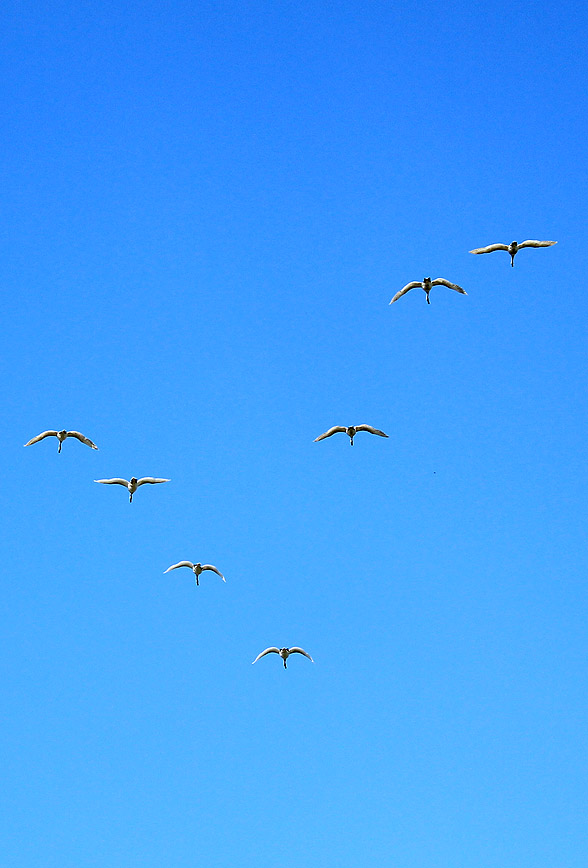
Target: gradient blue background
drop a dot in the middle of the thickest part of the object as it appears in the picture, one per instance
(206, 208)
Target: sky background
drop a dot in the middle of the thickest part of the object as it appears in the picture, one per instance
(206, 209)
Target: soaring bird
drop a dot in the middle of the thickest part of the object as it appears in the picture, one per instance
(61, 435)
(351, 431)
(133, 485)
(513, 248)
(284, 653)
(426, 284)
(197, 569)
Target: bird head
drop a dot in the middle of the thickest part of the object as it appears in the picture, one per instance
(134, 480)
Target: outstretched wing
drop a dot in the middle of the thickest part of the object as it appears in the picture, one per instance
(151, 480)
(537, 244)
(491, 248)
(336, 430)
(180, 564)
(113, 482)
(440, 281)
(272, 650)
(371, 430)
(214, 570)
(41, 437)
(82, 439)
(406, 289)
(300, 651)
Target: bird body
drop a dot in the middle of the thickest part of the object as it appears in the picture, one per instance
(61, 436)
(351, 431)
(133, 484)
(197, 569)
(284, 653)
(426, 283)
(512, 248)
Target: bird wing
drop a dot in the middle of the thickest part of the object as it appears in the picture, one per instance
(82, 439)
(41, 437)
(180, 564)
(371, 430)
(272, 650)
(151, 480)
(214, 570)
(406, 289)
(440, 281)
(336, 430)
(300, 651)
(491, 248)
(537, 244)
(113, 482)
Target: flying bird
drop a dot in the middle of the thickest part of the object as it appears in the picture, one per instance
(61, 435)
(284, 653)
(197, 569)
(426, 283)
(513, 248)
(351, 431)
(133, 485)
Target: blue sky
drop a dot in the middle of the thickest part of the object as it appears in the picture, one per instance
(206, 211)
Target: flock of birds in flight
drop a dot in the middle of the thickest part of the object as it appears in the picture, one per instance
(133, 484)
(426, 284)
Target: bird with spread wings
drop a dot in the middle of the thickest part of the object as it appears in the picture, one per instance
(513, 248)
(351, 431)
(284, 653)
(133, 484)
(61, 436)
(197, 569)
(426, 283)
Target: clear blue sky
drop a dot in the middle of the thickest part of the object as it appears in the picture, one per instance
(206, 209)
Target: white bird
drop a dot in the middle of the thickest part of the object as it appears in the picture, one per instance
(61, 435)
(134, 483)
(284, 653)
(426, 283)
(351, 431)
(513, 248)
(197, 569)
